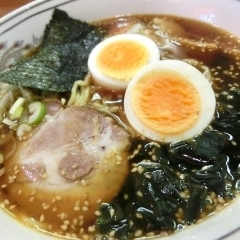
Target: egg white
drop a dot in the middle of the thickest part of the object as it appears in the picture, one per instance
(114, 83)
(200, 83)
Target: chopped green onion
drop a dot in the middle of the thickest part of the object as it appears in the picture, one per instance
(15, 107)
(37, 111)
(22, 129)
(10, 123)
(18, 112)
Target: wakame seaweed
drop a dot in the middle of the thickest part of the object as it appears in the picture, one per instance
(62, 58)
(172, 190)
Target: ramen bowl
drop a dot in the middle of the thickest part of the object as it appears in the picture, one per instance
(22, 30)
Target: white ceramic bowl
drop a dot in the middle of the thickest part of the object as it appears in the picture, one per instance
(24, 27)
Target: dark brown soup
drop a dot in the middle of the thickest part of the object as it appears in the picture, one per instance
(130, 186)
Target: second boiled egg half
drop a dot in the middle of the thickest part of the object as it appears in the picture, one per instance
(169, 100)
(115, 60)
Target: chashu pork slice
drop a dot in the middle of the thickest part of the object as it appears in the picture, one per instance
(74, 161)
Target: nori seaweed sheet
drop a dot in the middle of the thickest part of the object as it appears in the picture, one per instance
(61, 59)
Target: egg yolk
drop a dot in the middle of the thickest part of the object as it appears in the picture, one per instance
(166, 102)
(122, 59)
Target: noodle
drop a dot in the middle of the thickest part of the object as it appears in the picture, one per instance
(79, 97)
(8, 94)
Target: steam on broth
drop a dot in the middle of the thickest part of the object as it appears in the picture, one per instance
(83, 171)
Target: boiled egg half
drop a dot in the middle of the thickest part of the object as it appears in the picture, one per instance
(115, 60)
(169, 100)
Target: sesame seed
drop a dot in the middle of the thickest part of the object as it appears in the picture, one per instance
(119, 158)
(221, 200)
(139, 215)
(97, 213)
(73, 235)
(11, 180)
(2, 171)
(131, 156)
(62, 215)
(33, 192)
(182, 176)
(73, 227)
(64, 227)
(77, 203)
(74, 166)
(58, 198)
(81, 231)
(75, 221)
(112, 211)
(150, 153)
(139, 194)
(32, 199)
(42, 218)
(150, 234)
(12, 207)
(83, 182)
(219, 207)
(138, 233)
(164, 234)
(140, 169)
(4, 186)
(147, 175)
(154, 157)
(66, 222)
(134, 169)
(85, 237)
(74, 176)
(139, 146)
(112, 233)
(180, 211)
(84, 208)
(131, 223)
(45, 207)
(44, 176)
(125, 196)
(91, 229)
(76, 208)
(81, 222)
